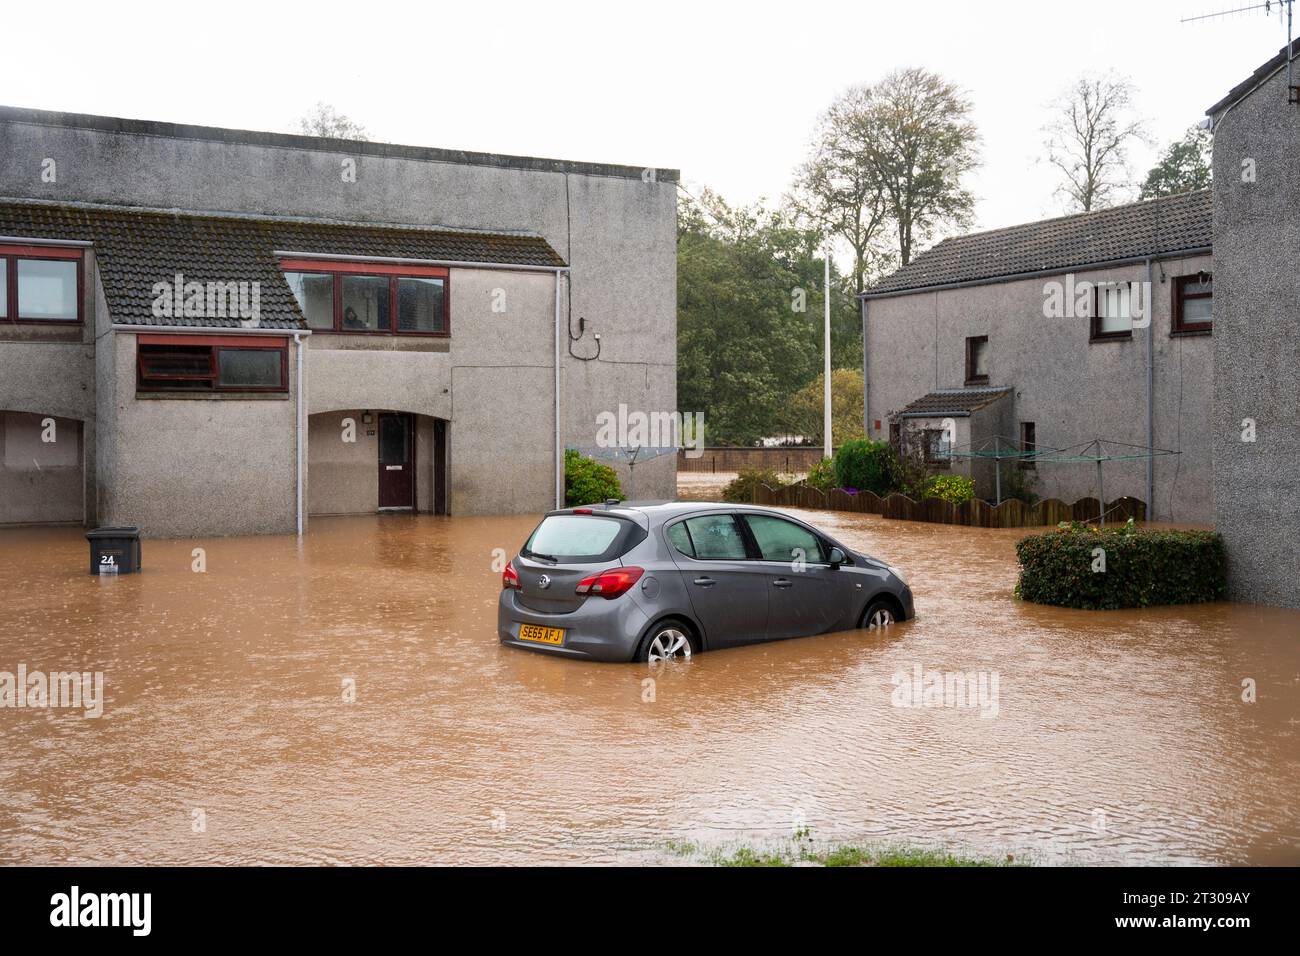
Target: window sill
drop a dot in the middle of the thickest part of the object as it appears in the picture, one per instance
(977, 382)
(213, 396)
(1189, 333)
(1110, 337)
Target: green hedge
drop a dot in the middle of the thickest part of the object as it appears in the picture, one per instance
(864, 465)
(1142, 568)
(587, 481)
(742, 488)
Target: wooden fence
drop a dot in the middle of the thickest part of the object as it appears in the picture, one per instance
(795, 459)
(980, 514)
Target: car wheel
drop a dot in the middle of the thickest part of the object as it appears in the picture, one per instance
(667, 641)
(878, 616)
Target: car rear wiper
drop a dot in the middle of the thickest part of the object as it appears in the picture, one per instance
(545, 557)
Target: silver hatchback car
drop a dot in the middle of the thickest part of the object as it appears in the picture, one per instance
(656, 581)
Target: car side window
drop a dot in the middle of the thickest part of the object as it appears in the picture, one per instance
(680, 539)
(716, 538)
(781, 540)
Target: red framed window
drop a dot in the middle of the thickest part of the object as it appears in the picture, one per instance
(199, 364)
(41, 284)
(369, 299)
(1193, 304)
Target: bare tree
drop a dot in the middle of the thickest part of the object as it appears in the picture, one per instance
(1089, 137)
(324, 120)
(918, 139)
(836, 190)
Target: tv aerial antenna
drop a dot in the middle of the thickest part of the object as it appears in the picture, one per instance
(1284, 12)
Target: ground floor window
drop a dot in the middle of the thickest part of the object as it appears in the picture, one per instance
(1028, 441)
(212, 364)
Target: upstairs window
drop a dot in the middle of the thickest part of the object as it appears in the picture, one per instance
(40, 284)
(217, 364)
(977, 360)
(1112, 313)
(363, 298)
(1193, 304)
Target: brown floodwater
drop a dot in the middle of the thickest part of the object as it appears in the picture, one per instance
(228, 735)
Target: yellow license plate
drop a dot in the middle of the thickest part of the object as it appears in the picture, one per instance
(541, 635)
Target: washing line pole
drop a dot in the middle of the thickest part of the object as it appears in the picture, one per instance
(997, 466)
(1101, 489)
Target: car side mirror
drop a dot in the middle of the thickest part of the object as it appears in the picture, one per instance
(836, 558)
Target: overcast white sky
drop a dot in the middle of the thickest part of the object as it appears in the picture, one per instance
(727, 92)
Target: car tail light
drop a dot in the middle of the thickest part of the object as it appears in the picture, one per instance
(582, 511)
(510, 577)
(611, 583)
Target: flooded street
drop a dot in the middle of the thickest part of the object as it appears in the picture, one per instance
(227, 735)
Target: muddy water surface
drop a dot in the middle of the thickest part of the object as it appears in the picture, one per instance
(1119, 737)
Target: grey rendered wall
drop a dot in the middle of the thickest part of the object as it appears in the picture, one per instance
(617, 231)
(1257, 344)
(1073, 390)
(199, 466)
(493, 381)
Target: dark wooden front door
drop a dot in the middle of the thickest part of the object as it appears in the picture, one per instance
(396, 462)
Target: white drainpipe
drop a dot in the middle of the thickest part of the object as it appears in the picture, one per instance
(559, 444)
(298, 412)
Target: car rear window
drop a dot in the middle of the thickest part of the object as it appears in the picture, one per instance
(582, 538)
(716, 538)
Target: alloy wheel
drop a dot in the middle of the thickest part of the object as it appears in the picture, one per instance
(669, 644)
(880, 619)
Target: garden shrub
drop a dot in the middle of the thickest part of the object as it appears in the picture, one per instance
(1142, 568)
(953, 489)
(740, 489)
(865, 465)
(822, 475)
(587, 481)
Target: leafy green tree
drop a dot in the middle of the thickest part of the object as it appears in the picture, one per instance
(807, 410)
(838, 192)
(914, 131)
(750, 303)
(1183, 167)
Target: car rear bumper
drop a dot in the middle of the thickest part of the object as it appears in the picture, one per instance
(599, 630)
(905, 598)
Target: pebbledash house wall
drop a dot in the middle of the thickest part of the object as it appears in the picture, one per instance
(178, 466)
(1257, 339)
(1072, 389)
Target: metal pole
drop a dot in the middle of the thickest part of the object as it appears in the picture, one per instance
(826, 423)
(1101, 490)
(997, 466)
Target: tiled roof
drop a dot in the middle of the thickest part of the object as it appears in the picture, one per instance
(952, 402)
(135, 249)
(1264, 71)
(1162, 226)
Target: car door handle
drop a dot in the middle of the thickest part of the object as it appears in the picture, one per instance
(782, 583)
(705, 582)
